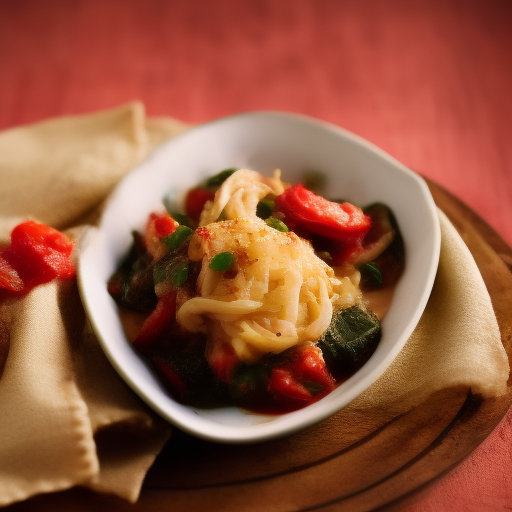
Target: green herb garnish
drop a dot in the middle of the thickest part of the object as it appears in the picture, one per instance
(313, 387)
(180, 274)
(181, 218)
(173, 268)
(372, 270)
(275, 223)
(220, 178)
(174, 240)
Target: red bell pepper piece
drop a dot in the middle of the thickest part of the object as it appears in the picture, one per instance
(38, 254)
(161, 318)
(222, 360)
(306, 211)
(291, 383)
(309, 366)
(195, 201)
(282, 384)
(158, 226)
(161, 225)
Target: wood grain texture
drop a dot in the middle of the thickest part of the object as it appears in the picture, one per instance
(359, 464)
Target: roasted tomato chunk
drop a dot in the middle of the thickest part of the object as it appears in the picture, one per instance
(37, 254)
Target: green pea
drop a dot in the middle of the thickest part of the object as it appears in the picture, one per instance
(221, 261)
(265, 208)
(275, 223)
(174, 240)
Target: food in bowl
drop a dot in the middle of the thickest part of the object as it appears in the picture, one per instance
(254, 295)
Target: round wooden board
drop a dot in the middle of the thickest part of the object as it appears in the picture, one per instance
(357, 465)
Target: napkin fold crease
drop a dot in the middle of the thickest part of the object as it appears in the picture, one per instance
(66, 417)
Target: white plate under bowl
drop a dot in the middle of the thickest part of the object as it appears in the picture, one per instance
(262, 141)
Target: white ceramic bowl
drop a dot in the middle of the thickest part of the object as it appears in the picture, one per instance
(263, 141)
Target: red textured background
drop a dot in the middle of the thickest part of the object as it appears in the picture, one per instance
(428, 81)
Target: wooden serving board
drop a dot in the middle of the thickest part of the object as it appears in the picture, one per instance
(355, 466)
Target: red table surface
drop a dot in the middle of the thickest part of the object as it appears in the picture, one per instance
(428, 81)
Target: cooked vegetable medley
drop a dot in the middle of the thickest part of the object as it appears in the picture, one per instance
(253, 294)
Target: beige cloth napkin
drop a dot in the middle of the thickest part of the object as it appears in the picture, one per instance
(66, 418)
